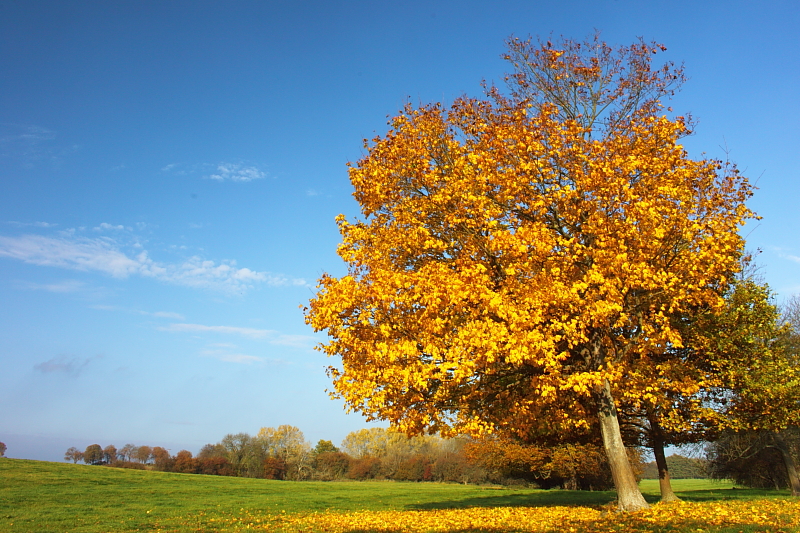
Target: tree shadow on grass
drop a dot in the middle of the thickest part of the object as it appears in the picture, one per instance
(569, 498)
(549, 498)
(707, 495)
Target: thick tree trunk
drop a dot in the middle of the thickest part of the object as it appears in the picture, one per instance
(788, 460)
(629, 497)
(661, 462)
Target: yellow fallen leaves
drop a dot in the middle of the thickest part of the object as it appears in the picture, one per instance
(762, 516)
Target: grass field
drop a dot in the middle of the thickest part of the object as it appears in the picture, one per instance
(41, 497)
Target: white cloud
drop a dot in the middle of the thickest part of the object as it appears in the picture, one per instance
(66, 286)
(157, 314)
(297, 341)
(103, 255)
(75, 254)
(167, 314)
(271, 336)
(239, 358)
(105, 226)
(32, 224)
(196, 328)
(222, 352)
(223, 345)
(233, 172)
(227, 356)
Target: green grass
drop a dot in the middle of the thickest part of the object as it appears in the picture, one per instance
(41, 497)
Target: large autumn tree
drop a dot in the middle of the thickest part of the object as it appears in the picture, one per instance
(519, 255)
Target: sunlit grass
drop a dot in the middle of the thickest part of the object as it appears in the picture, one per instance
(38, 496)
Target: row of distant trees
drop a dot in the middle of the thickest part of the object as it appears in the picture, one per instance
(375, 453)
(383, 454)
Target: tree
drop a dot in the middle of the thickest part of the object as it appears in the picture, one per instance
(215, 466)
(569, 466)
(212, 450)
(752, 458)
(763, 404)
(93, 455)
(162, 459)
(185, 463)
(73, 454)
(324, 446)
(3, 449)
(691, 379)
(518, 256)
(127, 452)
(245, 453)
(110, 454)
(143, 454)
(288, 445)
(366, 442)
(330, 465)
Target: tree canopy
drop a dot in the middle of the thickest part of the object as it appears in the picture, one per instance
(520, 256)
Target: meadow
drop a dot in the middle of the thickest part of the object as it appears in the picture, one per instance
(39, 496)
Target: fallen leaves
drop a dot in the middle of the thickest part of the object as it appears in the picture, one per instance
(767, 516)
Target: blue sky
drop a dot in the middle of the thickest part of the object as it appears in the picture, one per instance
(170, 173)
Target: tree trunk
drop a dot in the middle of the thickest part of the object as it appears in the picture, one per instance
(629, 497)
(661, 462)
(788, 460)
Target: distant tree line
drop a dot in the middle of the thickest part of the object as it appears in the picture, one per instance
(749, 459)
(680, 467)
(379, 454)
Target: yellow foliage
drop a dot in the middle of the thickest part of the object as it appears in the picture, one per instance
(774, 516)
(471, 267)
(476, 519)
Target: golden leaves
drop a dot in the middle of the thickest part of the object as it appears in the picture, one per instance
(765, 515)
(509, 252)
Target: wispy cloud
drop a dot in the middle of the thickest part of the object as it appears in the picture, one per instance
(228, 353)
(103, 255)
(158, 314)
(229, 330)
(783, 253)
(166, 314)
(65, 286)
(31, 224)
(105, 226)
(32, 144)
(76, 254)
(71, 366)
(269, 335)
(297, 341)
(227, 357)
(234, 172)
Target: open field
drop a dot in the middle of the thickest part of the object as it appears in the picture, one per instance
(39, 497)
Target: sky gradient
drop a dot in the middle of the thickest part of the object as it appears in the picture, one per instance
(170, 173)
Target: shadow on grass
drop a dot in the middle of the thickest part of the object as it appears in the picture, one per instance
(729, 494)
(544, 498)
(548, 498)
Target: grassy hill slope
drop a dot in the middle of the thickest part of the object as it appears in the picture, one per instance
(41, 496)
